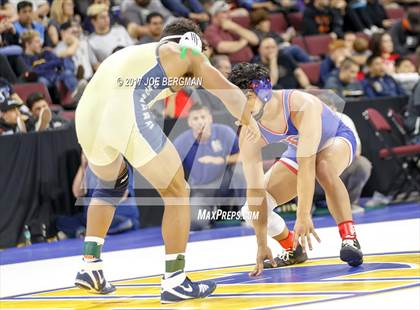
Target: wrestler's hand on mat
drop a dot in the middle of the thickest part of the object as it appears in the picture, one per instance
(263, 253)
(304, 227)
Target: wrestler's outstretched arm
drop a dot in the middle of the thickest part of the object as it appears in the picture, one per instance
(307, 119)
(232, 97)
(252, 164)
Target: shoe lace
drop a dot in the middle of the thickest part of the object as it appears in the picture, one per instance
(285, 256)
(203, 288)
(348, 242)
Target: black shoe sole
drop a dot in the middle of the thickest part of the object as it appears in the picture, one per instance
(351, 256)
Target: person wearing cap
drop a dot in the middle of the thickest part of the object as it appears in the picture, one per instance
(7, 91)
(10, 120)
(228, 37)
(42, 118)
(106, 37)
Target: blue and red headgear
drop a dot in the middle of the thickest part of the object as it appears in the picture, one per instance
(263, 89)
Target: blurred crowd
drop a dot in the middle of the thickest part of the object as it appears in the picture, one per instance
(60, 43)
(367, 53)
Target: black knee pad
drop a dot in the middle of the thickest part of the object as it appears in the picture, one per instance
(113, 191)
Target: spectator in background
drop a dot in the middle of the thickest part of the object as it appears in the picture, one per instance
(75, 46)
(412, 117)
(344, 81)
(252, 5)
(358, 19)
(406, 34)
(134, 13)
(377, 83)
(8, 37)
(382, 46)
(222, 63)
(201, 95)
(319, 18)
(358, 173)
(337, 53)
(49, 68)
(42, 12)
(227, 37)
(10, 120)
(349, 39)
(209, 153)
(106, 38)
(25, 20)
(154, 23)
(6, 9)
(7, 91)
(284, 72)
(361, 51)
(261, 23)
(6, 70)
(191, 9)
(377, 14)
(405, 74)
(113, 12)
(126, 215)
(179, 103)
(62, 11)
(42, 117)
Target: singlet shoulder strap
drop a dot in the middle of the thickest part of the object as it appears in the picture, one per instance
(286, 106)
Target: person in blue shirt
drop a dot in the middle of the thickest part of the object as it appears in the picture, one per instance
(209, 153)
(192, 9)
(379, 84)
(25, 21)
(48, 67)
(344, 80)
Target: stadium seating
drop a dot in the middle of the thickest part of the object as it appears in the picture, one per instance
(278, 23)
(317, 45)
(24, 90)
(296, 20)
(406, 156)
(244, 21)
(298, 40)
(311, 69)
(395, 13)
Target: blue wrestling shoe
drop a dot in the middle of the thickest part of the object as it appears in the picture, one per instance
(179, 287)
(91, 278)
